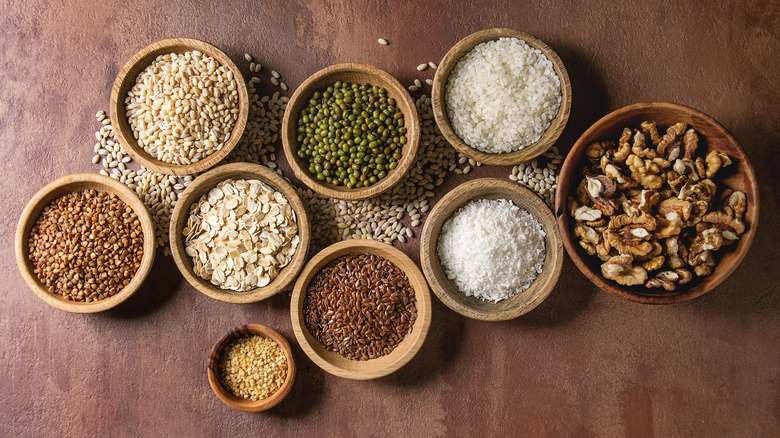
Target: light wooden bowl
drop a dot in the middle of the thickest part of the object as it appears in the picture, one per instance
(126, 80)
(372, 368)
(199, 187)
(359, 74)
(61, 187)
(449, 62)
(240, 403)
(448, 292)
(711, 136)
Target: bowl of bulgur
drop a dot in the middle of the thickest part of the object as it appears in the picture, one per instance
(179, 106)
(251, 368)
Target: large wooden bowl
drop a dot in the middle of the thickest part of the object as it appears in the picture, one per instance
(712, 136)
(356, 74)
(199, 187)
(240, 403)
(372, 368)
(448, 292)
(126, 80)
(449, 62)
(61, 187)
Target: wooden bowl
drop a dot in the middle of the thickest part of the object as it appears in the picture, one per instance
(240, 403)
(126, 80)
(359, 74)
(61, 187)
(449, 62)
(473, 307)
(372, 368)
(712, 136)
(199, 187)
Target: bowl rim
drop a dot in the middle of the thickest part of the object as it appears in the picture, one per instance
(125, 81)
(567, 172)
(200, 186)
(332, 362)
(535, 206)
(404, 102)
(242, 404)
(448, 63)
(69, 184)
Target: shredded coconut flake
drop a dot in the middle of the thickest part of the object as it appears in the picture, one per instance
(492, 249)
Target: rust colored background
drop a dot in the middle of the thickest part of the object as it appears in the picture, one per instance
(584, 363)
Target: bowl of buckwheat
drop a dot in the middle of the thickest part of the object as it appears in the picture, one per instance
(657, 203)
(240, 233)
(85, 243)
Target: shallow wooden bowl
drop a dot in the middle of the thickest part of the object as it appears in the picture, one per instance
(448, 292)
(372, 368)
(449, 62)
(61, 187)
(126, 80)
(711, 136)
(240, 403)
(360, 74)
(199, 187)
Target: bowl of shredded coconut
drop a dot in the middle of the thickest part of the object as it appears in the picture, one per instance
(491, 250)
(501, 96)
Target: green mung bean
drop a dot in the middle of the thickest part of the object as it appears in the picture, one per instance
(351, 134)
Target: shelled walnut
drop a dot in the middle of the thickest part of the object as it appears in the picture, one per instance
(650, 208)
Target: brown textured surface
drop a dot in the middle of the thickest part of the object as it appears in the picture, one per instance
(583, 363)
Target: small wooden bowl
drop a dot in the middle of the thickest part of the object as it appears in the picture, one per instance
(372, 368)
(473, 307)
(712, 136)
(61, 187)
(240, 403)
(126, 80)
(359, 74)
(199, 187)
(449, 62)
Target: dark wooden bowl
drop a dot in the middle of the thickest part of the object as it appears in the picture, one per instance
(126, 80)
(356, 74)
(473, 307)
(239, 403)
(61, 187)
(449, 62)
(200, 186)
(372, 368)
(712, 136)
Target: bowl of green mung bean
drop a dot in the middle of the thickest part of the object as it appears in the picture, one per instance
(351, 132)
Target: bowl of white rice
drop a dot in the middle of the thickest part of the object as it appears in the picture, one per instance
(501, 96)
(491, 250)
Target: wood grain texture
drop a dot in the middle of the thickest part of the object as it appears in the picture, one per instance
(240, 403)
(125, 81)
(448, 292)
(61, 187)
(529, 152)
(201, 186)
(356, 74)
(712, 136)
(336, 364)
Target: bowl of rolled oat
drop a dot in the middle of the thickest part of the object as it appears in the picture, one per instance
(251, 368)
(179, 106)
(657, 203)
(240, 233)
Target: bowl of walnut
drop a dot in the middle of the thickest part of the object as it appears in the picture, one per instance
(657, 203)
